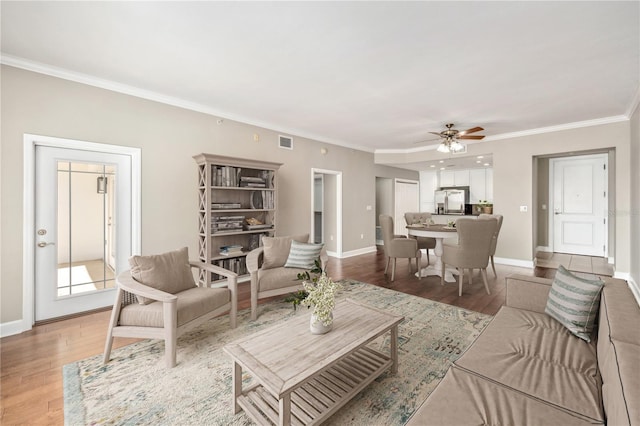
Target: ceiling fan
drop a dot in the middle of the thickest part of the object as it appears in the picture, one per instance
(450, 138)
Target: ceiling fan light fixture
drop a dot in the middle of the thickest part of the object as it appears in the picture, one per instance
(443, 147)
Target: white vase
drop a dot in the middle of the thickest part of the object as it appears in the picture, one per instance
(317, 327)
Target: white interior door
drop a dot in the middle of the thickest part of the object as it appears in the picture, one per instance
(580, 205)
(78, 249)
(407, 199)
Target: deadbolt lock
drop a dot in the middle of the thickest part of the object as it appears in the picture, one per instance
(42, 231)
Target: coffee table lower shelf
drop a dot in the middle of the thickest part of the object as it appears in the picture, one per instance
(321, 395)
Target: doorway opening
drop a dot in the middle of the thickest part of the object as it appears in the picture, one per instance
(573, 197)
(326, 210)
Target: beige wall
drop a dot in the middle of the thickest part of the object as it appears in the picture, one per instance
(168, 137)
(635, 196)
(513, 184)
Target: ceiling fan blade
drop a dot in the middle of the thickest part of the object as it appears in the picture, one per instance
(472, 130)
(476, 137)
(434, 133)
(428, 140)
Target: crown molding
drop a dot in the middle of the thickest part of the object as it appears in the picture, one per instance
(538, 131)
(634, 104)
(38, 67)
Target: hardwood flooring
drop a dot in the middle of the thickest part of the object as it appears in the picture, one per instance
(31, 363)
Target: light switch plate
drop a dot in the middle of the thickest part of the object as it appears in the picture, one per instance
(523, 208)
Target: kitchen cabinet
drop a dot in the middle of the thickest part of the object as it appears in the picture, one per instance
(428, 186)
(479, 181)
(489, 184)
(454, 178)
(477, 185)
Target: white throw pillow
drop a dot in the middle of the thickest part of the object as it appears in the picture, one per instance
(303, 255)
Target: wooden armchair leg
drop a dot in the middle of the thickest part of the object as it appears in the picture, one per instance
(386, 268)
(460, 280)
(393, 269)
(254, 298)
(170, 317)
(115, 314)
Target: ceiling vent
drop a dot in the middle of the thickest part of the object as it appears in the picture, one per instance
(285, 142)
(462, 150)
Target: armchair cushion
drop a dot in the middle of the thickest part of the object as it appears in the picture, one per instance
(191, 304)
(169, 272)
(574, 302)
(276, 278)
(276, 250)
(303, 255)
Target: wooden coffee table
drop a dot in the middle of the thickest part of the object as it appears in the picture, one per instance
(302, 378)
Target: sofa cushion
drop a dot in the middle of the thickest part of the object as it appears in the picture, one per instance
(276, 250)
(272, 279)
(303, 255)
(169, 272)
(532, 353)
(462, 398)
(574, 302)
(191, 304)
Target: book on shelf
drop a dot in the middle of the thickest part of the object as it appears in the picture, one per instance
(226, 205)
(262, 226)
(231, 250)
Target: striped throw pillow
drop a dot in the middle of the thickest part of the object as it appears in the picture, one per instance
(303, 255)
(574, 302)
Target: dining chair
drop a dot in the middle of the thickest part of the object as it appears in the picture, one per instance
(494, 241)
(472, 250)
(419, 218)
(397, 246)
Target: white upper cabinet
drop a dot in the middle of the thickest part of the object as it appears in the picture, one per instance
(461, 178)
(454, 178)
(479, 181)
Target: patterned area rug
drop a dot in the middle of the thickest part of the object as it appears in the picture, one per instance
(136, 388)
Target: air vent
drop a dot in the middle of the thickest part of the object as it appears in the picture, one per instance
(461, 151)
(285, 142)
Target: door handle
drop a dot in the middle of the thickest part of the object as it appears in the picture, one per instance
(557, 213)
(43, 244)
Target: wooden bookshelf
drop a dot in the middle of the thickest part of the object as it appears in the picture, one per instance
(230, 192)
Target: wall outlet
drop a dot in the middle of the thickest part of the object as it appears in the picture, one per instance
(331, 237)
(369, 208)
(523, 208)
(362, 236)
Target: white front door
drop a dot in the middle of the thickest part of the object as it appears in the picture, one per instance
(580, 205)
(80, 196)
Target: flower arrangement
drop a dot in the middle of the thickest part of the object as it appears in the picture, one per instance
(319, 292)
(321, 295)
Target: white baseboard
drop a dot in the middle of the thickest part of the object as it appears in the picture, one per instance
(357, 252)
(635, 289)
(611, 260)
(544, 248)
(12, 327)
(514, 262)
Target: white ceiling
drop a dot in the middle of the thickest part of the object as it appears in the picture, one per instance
(370, 75)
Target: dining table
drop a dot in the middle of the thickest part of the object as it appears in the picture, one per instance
(439, 233)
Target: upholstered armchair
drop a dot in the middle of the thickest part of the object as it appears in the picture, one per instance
(494, 241)
(471, 251)
(274, 266)
(424, 243)
(397, 246)
(159, 299)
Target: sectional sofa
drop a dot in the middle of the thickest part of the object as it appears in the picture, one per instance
(527, 369)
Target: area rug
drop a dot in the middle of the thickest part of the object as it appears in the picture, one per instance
(136, 388)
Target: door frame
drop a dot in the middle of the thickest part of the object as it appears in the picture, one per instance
(31, 141)
(551, 203)
(338, 175)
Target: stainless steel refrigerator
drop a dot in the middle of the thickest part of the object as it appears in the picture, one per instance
(450, 201)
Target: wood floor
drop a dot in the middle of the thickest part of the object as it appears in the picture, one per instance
(31, 363)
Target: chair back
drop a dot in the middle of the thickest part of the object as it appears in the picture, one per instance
(474, 239)
(386, 224)
(417, 218)
(494, 241)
